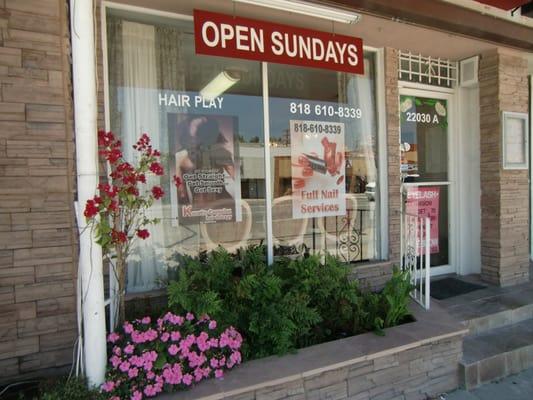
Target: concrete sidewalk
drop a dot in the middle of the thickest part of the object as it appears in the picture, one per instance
(515, 387)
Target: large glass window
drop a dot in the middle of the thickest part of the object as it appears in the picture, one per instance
(323, 138)
(206, 114)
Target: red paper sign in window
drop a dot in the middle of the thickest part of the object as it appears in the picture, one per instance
(424, 202)
(228, 36)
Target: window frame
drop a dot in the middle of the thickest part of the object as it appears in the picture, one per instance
(382, 189)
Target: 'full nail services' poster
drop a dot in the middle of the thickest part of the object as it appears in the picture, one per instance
(318, 168)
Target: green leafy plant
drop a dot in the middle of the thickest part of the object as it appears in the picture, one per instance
(330, 294)
(69, 389)
(291, 304)
(240, 290)
(396, 298)
(389, 307)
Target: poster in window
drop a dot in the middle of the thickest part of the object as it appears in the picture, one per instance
(424, 202)
(318, 169)
(207, 161)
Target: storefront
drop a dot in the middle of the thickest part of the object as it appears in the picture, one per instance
(306, 128)
(317, 185)
(327, 180)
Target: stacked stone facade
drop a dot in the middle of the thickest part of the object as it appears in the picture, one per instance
(503, 86)
(392, 98)
(419, 373)
(37, 236)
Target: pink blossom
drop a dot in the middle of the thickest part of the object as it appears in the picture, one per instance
(125, 366)
(129, 349)
(150, 391)
(149, 356)
(117, 350)
(219, 374)
(132, 373)
(150, 375)
(187, 379)
(198, 374)
(137, 361)
(108, 386)
(136, 395)
(115, 361)
(113, 337)
(189, 317)
(173, 350)
(128, 328)
(212, 324)
(165, 336)
(175, 336)
(146, 320)
(213, 363)
(236, 357)
(173, 374)
(148, 366)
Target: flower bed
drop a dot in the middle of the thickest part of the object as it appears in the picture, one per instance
(173, 353)
(416, 360)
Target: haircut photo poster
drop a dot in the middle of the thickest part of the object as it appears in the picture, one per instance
(206, 158)
(318, 169)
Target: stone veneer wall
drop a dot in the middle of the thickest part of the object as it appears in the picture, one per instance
(503, 86)
(419, 373)
(37, 236)
(392, 98)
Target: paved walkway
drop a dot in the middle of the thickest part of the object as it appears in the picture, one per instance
(516, 387)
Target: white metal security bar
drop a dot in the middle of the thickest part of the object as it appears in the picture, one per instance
(428, 70)
(415, 253)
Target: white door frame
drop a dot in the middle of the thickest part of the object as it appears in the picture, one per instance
(428, 91)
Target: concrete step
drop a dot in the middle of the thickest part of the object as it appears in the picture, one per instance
(487, 309)
(497, 353)
(486, 323)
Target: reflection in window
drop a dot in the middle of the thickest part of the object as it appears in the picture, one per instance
(213, 141)
(205, 114)
(323, 146)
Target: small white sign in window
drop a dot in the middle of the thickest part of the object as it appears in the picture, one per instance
(515, 140)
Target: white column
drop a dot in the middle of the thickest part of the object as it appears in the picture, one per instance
(90, 261)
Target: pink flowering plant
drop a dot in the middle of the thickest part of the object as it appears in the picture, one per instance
(117, 214)
(173, 353)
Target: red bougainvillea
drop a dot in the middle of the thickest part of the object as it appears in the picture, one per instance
(117, 213)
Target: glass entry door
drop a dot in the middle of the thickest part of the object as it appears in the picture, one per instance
(425, 168)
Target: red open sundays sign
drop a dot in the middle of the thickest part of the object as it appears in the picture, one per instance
(228, 36)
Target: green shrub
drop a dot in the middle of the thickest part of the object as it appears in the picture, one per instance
(329, 292)
(69, 389)
(389, 307)
(242, 291)
(396, 298)
(292, 304)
